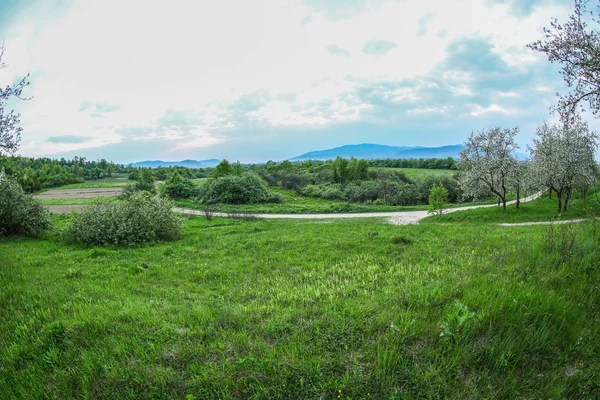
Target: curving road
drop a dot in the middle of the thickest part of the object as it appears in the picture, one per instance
(394, 217)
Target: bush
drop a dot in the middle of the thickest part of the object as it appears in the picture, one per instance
(437, 199)
(140, 219)
(245, 189)
(178, 187)
(20, 214)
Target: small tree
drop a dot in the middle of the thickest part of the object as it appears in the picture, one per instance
(438, 196)
(341, 172)
(488, 161)
(145, 181)
(237, 169)
(222, 169)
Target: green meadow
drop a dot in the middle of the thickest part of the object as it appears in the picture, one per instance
(324, 309)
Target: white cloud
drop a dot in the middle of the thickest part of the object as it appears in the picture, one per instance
(479, 111)
(148, 57)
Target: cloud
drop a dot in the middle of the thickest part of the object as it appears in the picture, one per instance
(317, 71)
(99, 108)
(423, 21)
(479, 111)
(378, 47)
(337, 51)
(67, 139)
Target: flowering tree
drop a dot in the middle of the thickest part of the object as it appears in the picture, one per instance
(563, 157)
(576, 46)
(10, 132)
(488, 161)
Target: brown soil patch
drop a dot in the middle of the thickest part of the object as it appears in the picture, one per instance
(80, 193)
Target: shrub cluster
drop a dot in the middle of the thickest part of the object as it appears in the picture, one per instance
(20, 214)
(178, 187)
(141, 218)
(245, 189)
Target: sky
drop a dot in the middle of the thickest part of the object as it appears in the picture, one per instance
(132, 80)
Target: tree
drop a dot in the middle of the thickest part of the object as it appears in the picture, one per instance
(236, 169)
(359, 170)
(488, 161)
(520, 178)
(438, 196)
(222, 169)
(340, 170)
(575, 46)
(145, 180)
(10, 131)
(563, 157)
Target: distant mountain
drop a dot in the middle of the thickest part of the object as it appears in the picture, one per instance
(378, 151)
(185, 163)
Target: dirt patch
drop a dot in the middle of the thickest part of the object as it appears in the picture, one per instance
(80, 193)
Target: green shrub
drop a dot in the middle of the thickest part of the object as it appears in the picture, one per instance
(245, 189)
(140, 219)
(178, 187)
(20, 214)
(437, 199)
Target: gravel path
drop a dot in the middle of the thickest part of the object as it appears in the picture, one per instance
(394, 218)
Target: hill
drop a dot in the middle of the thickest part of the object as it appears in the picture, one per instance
(185, 163)
(378, 151)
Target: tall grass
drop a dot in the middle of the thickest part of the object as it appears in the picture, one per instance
(286, 309)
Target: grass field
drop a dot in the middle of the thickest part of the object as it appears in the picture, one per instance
(414, 173)
(283, 309)
(543, 209)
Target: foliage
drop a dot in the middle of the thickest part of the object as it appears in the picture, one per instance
(140, 219)
(575, 45)
(488, 161)
(20, 214)
(222, 169)
(437, 199)
(10, 131)
(564, 157)
(178, 187)
(245, 189)
(145, 183)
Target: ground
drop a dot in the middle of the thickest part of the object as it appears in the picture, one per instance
(457, 306)
(302, 309)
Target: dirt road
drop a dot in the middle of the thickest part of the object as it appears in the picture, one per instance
(394, 217)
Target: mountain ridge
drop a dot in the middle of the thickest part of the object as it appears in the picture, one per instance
(379, 151)
(183, 163)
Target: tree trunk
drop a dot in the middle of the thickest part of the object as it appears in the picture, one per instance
(559, 195)
(568, 197)
(550, 194)
(518, 196)
(504, 203)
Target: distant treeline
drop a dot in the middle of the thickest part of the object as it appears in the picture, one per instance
(39, 173)
(425, 163)
(35, 174)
